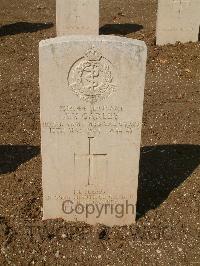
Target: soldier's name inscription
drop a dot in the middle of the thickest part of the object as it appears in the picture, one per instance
(91, 120)
(91, 113)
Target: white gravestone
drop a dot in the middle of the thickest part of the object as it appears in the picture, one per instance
(91, 116)
(177, 20)
(77, 17)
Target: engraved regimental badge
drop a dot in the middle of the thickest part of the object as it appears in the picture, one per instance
(91, 77)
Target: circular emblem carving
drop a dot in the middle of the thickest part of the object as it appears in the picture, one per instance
(91, 77)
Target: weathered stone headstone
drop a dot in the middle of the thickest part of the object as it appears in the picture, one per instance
(177, 20)
(91, 115)
(77, 17)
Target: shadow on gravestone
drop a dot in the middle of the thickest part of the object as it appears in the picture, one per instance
(23, 27)
(121, 29)
(12, 156)
(162, 169)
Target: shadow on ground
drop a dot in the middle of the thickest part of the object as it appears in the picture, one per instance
(122, 29)
(162, 169)
(23, 27)
(12, 156)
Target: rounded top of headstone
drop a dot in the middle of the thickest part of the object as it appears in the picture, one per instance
(92, 38)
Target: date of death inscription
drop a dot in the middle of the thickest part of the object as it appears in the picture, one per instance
(93, 121)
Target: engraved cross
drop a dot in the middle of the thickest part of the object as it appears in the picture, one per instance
(91, 161)
(181, 4)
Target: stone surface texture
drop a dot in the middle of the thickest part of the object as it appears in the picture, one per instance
(92, 90)
(177, 20)
(77, 17)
